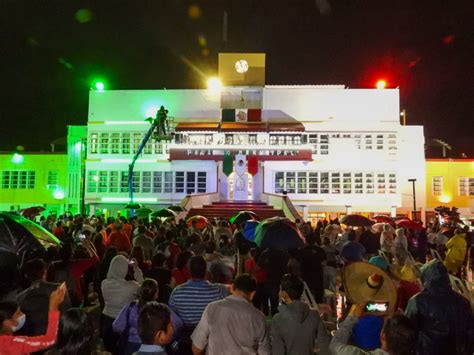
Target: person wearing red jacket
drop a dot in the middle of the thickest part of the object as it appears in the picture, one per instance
(119, 239)
(12, 319)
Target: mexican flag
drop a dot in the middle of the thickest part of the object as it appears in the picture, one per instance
(241, 115)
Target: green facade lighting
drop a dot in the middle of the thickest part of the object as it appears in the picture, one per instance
(58, 194)
(17, 158)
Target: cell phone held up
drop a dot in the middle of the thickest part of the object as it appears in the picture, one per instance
(376, 307)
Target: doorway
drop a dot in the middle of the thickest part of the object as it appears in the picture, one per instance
(240, 187)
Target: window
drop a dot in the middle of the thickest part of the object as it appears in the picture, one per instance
(392, 143)
(279, 182)
(296, 140)
(179, 181)
(190, 182)
(94, 143)
(437, 185)
(92, 181)
(392, 183)
(136, 181)
(335, 183)
(380, 183)
(358, 183)
(115, 143)
(302, 183)
(104, 143)
(368, 142)
(52, 181)
(158, 147)
(358, 140)
(369, 183)
(125, 143)
(324, 183)
(466, 186)
(103, 183)
(379, 142)
(252, 139)
(313, 183)
(146, 181)
(281, 140)
(324, 146)
(202, 183)
(168, 186)
(136, 140)
(273, 140)
(346, 183)
(229, 139)
(290, 182)
(113, 181)
(15, 179)
(157, 182)
(124, 181)
(148, 147)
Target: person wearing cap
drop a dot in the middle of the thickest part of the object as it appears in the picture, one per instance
(443, 317)
(296, 328)
(397, 337)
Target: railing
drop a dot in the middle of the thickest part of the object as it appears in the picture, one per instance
(283, 202)
(198, 200)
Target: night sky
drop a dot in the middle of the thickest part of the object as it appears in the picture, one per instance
(52, 50)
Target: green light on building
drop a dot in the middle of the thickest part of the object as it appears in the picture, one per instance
(17, 158)
(99, 86)
(58, 194)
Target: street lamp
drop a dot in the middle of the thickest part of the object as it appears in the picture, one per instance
(414, 198)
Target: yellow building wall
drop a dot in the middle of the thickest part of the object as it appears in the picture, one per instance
(451, 171)
(40, 164)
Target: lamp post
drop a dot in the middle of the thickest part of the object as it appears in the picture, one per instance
(414, 198)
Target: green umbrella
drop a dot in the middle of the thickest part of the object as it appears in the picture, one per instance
(143, 212)
(177, 208)
(164, 213)
(133, 206)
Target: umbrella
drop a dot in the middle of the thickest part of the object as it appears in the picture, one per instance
(278, 233)
(201, 222)
(164, 213)
(248, 229)
(32, 211)
(243, 216)
(177, 208)
(19, 234)
(143, 212)
(356, 220)
(408, 223)
(383, 219)
(133, 206)
(378, 228)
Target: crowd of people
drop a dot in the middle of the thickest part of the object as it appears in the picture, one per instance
(167, 287)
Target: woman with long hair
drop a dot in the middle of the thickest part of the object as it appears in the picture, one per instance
(181, 273)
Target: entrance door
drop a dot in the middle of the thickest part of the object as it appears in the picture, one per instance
(241, 179)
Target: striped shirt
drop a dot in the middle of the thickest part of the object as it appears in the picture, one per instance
(191, 298)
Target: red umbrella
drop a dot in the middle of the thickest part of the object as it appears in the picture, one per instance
(201, 221)
(408, 223)
(32, 211)
(383, 219)
(356, 220)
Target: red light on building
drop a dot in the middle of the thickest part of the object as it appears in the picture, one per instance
(381, 84)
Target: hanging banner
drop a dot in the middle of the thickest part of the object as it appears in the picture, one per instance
(228, 164)
(252, 165)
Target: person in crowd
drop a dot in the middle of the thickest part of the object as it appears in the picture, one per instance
(181, 273)
(128, 316)
(126, 227)
(296, 328)
(155, 329)
(274, 263)
(407, 283)
(398, 336)
(119, 239)
(340, 243)
(138, 255)
(102, 270)
(386, 240)
(58, 231)
(330, 265)
(443, 317)
(162, 276)
(400, 247)
(75, 335)
(70, 270)
(196, 244)
(370, 242)
(191, 298)
(118, 292)
(12, 319)
(34, 301)
(144, 241)
(233, 325)
(222, 230)
(353, 251)
(456, 251)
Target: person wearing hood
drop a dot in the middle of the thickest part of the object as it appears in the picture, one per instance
(400, 247)
(456, 253)
(118, 292)
(296, 328)
(443, 317)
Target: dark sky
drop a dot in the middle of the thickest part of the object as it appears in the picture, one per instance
(51, 52)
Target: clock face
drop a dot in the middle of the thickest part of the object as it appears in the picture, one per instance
(241, 66)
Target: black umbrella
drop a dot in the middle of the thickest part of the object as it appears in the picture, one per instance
(278, 233)
(164, 213)
(356, 220)
(177, 208)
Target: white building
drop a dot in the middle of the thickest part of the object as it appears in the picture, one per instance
(331, 148)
